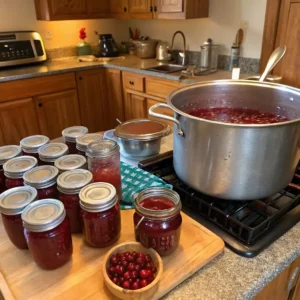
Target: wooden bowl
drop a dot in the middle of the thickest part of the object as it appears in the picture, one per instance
(143, 293)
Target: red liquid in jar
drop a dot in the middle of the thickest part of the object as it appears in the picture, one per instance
(13, 182)
(101, 229)
(157, 203)
(53, 248)
(81, 153)
(72, 147)
(15, 230)
(72, 207)
(237, 115)
(36, 155)
(49, 192)
(2, 181)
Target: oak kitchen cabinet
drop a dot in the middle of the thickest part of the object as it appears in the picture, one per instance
(140, 9)
(118, 9)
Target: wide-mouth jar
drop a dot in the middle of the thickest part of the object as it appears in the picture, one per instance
(49, 153)
(83, 141)
(31, 144)
(70, 162)
(12, 204)
(70, 134)
(157, 219)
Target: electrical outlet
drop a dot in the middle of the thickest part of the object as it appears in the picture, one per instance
(48, 36)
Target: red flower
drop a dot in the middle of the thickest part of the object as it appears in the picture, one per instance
(82, 34)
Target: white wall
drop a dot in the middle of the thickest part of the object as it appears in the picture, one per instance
(225, 18)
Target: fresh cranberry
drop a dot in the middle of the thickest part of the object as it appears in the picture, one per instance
(131, 267)
(149, 266)
(120, 270)
(126, 254)
(127, 275)
(144, 273)
(123, 257)
(143, 283)
(126, 285)
(137, 267)
(135, 285)
(121, 279)
(154, 270)
(130, 280)
(148, 258)
(124, 263)
(134, 254)
(114, 260)
(112, 269)
(140, 260)
(134, 274)
(116, 281)
(130, 258)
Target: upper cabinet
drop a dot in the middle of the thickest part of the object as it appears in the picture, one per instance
(121, 9)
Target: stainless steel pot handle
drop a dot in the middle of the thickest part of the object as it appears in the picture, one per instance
(160, 116)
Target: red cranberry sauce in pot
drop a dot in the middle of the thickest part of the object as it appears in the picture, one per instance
(157, 219)
(12, 203)
(70, 134)
(237, 115)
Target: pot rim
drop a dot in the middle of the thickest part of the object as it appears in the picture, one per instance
(281, 87)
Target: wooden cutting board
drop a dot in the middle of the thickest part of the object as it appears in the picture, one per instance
(82, 278)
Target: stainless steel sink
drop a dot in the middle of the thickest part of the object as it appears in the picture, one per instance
(166, 68)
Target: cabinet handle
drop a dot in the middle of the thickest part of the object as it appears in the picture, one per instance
(131, 82)
(125, 9)
(80, 78)
(155, 8)
(151, 9)
(40, 104)
(291, 283)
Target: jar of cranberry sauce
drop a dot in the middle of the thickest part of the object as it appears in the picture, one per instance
(15, 168)
(100, 212)
(12, 204)
(70, 162)
(83, 141)
(69, 185)
(7, 153)
(157, 219)
(70, 134)
(31, 144)
(47, 233)
(104, 163)
(49, 153)
(43, 178)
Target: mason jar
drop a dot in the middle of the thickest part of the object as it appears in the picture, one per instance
(70, 162)
(49, 153)
(70, 134)
(83, 141)
(31, 144)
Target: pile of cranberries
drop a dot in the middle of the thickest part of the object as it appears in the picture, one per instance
(131, 270)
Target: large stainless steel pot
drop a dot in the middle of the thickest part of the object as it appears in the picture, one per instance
(235, 161)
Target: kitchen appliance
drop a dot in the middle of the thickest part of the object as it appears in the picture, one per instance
(235, 161)
(145, 48)
(163, 52)
(209, 56)
(21, 47)
(247, 227)
(107, 46)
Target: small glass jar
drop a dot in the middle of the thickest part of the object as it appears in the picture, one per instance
(7, 153)
(69, 185)
(70, 134)
(31, 144)
(43, 178)
(83, 141)
(15, 168)
(12, 204)
(49, 153)
(47, 232)
(157, 219)
(70, 162)
(104, 163)
(101, 215)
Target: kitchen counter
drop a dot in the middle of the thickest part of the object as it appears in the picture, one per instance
(71, 64)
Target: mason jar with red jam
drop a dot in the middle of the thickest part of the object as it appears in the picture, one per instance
(69, 185)
(83, 141)
(43, 178)
(15, 168)
(104, 163)
(12, 204)
(70, 134)
(31, 144)
(70, 162)
(100, 213)
(7, 153)
(157, 219)
(49, 153)
(47, 232)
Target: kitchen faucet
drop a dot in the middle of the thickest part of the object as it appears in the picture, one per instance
(182, 54)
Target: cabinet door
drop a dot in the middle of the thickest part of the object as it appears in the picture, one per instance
(91, 85)
(68, 7)
(170, 6)
(18, 119)
(57, 111)
(118, 8)
(163, 111)
(140, 9)
(135, 106)
(98, 8)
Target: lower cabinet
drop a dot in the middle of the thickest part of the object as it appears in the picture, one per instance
(17, 120)
(56, 112)
(135, 106)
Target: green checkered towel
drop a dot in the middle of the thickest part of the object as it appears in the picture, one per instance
(135, 180)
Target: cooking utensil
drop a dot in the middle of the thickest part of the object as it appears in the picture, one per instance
(235, 161)
(269, 78)
(274, 59)
(239, 37)
(209, 56)
(107, 46)
(163, 52)
(145, 48)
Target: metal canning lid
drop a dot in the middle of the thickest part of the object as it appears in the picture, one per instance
(70, 134)
(70, 162)
(43, 215)
(142, 130)
(14, 201)
(71, 182)
(8, 152)
(83, 141)
(31, 144)
(102, 149)
(97, 197)
(16, 167)
(158, 192)
(52, 151)
(41, 177)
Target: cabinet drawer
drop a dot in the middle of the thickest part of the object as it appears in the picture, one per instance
(160, 87)
(134, 82)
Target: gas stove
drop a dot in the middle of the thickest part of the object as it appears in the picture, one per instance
(247, 227)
